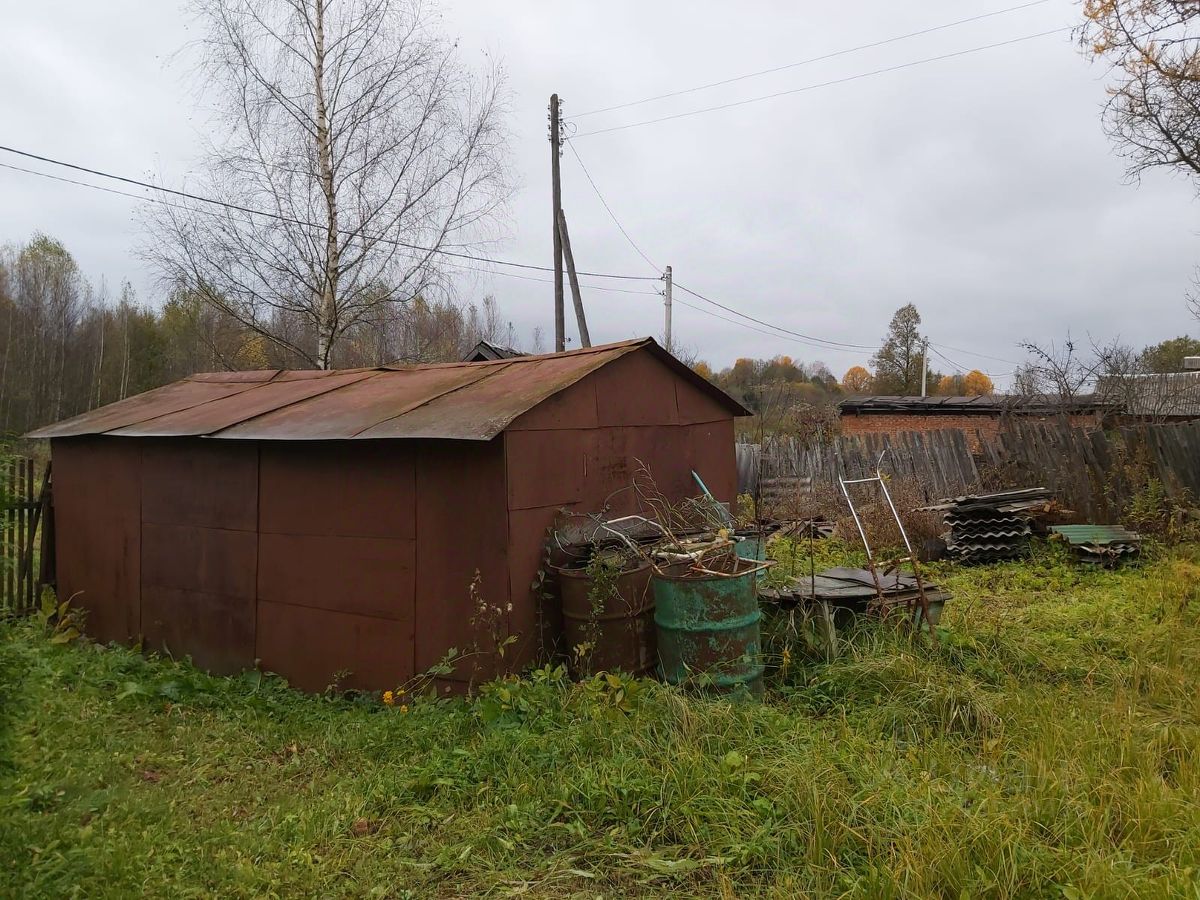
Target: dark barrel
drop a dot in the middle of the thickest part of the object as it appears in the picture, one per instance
(708, 630)
(621, 627)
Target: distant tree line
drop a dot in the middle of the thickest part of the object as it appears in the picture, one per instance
(68, 345)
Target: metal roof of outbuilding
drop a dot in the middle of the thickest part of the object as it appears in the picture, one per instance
(456, 401)
(987, 404)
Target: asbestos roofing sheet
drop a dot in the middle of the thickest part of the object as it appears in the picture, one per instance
(1096, 534)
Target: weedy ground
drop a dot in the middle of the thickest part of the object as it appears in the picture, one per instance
(1049, 746)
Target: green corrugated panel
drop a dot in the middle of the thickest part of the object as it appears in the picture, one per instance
(1096, 534)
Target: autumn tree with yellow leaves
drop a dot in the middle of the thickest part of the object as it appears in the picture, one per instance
(857, 380)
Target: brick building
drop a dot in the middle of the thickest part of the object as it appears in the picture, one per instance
(976, 417)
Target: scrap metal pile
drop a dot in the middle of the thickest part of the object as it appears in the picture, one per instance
(991, 527)
(1105, 545)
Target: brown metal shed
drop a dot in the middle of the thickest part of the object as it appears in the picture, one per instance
(328, 522)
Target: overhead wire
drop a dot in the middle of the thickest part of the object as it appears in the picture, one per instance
(960, 368)
(612, 215)
(157, 200)
(822, 342)
(294, 221)
(812, 59)
(823, 84)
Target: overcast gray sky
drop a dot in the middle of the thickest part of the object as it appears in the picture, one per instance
(979, 187)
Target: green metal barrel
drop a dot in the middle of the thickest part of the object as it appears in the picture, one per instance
(708, 630)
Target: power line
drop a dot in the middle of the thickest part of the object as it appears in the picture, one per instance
(1011, 362)
(820, 342)
(293, 221)
(456, 265)
(612, 215)
(961, 368)
(774, 334)
(812, 59)
(813, 87)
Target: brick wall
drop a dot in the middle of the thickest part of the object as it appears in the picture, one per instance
(972, 426)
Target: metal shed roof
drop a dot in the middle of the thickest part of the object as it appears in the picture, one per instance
(456, 401)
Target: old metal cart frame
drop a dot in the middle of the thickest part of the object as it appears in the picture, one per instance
(891, 565)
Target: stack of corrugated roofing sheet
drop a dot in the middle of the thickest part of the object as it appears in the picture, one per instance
(991, 527)
(1105, 545)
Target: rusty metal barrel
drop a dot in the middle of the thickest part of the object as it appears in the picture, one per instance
(708, 630)
(619, 627)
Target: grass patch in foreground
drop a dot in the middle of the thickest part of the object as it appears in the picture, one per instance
(1049, 747)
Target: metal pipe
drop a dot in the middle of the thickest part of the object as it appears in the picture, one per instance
(862, 532)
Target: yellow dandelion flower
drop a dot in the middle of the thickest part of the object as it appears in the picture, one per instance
(404, 707)
(389, 698)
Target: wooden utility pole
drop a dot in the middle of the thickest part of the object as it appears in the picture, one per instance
(580, 319)
(667, 305)
(560, 328)
(924, 365)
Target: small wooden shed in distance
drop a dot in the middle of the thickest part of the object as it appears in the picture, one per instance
(331, 522)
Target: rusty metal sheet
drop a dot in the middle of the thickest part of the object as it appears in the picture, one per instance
(357, 407)
(191, 481)
(361, 575)
(461, 401)
(490, 404)
(211, 560)
(310, 647)
(98, 532)
(253, 375)
(461, 528)
(532, 615)
(160, 401)
(264, 398)
(326, 487)
(545, 467)
(215, 630)
(574, 407)
(712, 454)
(636, 390)
(697, 406)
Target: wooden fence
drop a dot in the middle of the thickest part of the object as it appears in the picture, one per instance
(22, 503)
(1095, 473)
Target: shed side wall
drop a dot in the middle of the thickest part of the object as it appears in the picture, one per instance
(97, 503)
(337, 564)
(462, 529)
(558, 455)
(200, 550)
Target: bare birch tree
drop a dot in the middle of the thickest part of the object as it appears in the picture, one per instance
(351, 145)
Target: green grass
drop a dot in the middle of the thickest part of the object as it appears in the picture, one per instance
(1050, 746)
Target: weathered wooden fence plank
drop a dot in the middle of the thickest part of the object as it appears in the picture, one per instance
(1095, 473)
